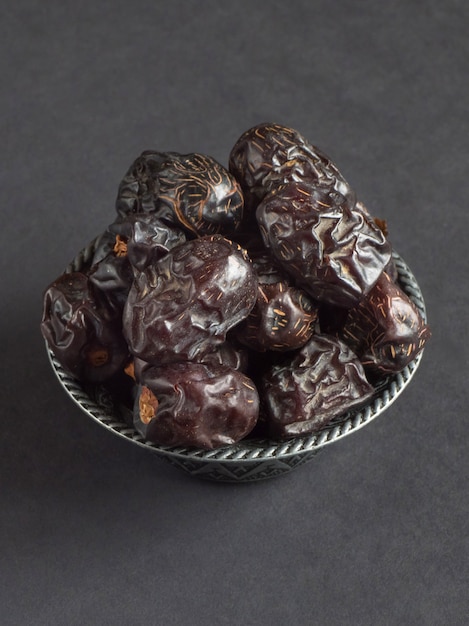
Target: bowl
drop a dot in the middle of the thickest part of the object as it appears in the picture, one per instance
(251, 459)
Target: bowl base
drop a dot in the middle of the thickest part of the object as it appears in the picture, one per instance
(248, 471)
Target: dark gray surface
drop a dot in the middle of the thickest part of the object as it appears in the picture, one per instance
(94, 530)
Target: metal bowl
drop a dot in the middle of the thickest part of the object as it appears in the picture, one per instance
(250, 459)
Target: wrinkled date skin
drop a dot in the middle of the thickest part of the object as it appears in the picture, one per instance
(112, 276)
(322, 381)
(191, 190)
(104, 244)
(83, 333)
(385, 330)
(145, 239)
(226, 355)
(182, 307)
(283, 317)
(192, 404)
(269, 155)
(334, 253)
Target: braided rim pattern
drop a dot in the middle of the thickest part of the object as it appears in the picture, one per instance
(98, 404)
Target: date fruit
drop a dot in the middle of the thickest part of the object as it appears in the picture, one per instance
(112, 277)
(334, 253)
(192, 404)
(190, 190)
(385, 330)
(304, 393)
(283, 317)
(270, 155)
(144, 238)
(183, 306)
(82, 331)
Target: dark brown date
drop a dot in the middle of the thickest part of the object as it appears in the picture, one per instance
(144, 238)
(322, 381)
(332, 251)
(81, 330)
(283, 317)
(112, 276)
(390, 268)
(269, 155)
(182, 307)
(385, 330)
(103, 245)
(226, 355)
(191, 404)
(190, 190)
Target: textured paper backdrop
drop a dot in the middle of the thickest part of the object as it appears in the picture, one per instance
(94, 530)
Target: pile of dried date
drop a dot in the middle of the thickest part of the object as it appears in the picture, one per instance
(260, 299)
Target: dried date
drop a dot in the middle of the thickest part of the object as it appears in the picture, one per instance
(192, 404)
(144, 238)
(182, 307)
(112, 276)
(270, 155)
(190, 190)
(81, 330)
(386, 329)
(226, 355)
(323, 380)
(283, 317)
(334, 253)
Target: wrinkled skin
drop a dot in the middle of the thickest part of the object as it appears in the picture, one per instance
(190, 190)
(226, 355)
(103, 246)
(146, 238)
(112, 277)
(182, 307)
(323, 380)
(390, 268)
(283, 317)
(192, 404)
(81, 330)
(385, 330)
(333, 252)
(270, 155)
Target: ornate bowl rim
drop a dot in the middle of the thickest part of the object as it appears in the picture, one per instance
(98, 403)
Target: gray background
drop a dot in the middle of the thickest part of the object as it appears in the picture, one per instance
(94, 530)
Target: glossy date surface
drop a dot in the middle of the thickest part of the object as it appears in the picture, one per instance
(190, 190)
(82, 330)
(385, 330)
(182, 307)
(333, 252)
(321, 381)
(145, 238)
(270, 155)
(193, 404)
(283, 316)
(112, 277)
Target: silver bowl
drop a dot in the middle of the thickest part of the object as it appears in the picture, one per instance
(251, 459)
